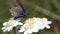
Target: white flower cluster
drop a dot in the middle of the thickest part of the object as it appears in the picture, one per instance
(8, 26)
(30, 25)
(34, 25)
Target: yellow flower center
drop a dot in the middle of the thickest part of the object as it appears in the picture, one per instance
(30, 22)
(41, 20)
(10, 22)
(28, 26)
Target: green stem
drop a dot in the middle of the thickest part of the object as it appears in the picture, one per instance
(14, 30)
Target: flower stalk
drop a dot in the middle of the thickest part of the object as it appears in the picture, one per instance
(14, 29)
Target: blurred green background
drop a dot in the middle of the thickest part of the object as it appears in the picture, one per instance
(50, 5)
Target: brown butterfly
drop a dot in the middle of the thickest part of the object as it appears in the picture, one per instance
(17, 10)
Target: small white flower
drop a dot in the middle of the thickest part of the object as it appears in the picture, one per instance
(27, 28)
(8, 26)
(34, 25)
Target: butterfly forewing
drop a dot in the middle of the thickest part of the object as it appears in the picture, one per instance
(17, 10)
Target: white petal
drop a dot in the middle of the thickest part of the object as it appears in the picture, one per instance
(39, 25)
(29, 30)
(10, 28)
(36, 19)
(3, 28)
(47, 22)
(35, 30)
(45, 19)
(26, 32)
(20, 23)
(42, 27)
(4, 24)
(15, 24)
(47, 26)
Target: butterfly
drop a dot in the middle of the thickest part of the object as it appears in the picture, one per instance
(17, 10)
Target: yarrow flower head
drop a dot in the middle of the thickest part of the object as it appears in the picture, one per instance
(8, 26)
(34, 25)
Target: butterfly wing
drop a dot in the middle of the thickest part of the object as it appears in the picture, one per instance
(17, 10)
